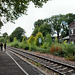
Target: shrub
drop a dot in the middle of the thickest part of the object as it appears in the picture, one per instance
(26, 47)
(45, 45)
(31, 40)
(24, 39)
(32, 47)
(39, 35)
(48, 40)
(42, 50)
(69, 49)
(2, 39)
(56, 40)
(71, 58)
(15, 44)
(55, 49)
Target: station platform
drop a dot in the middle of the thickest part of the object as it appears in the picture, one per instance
(8, 66)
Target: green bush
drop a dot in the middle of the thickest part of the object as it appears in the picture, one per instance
(31, 40)
(32, 47)
(15, 44)
(48, 40)
(69, 49)
(22, 45)
(45, 45)
(42, 50)
(26, 47)
(39, 35)
(2, 39)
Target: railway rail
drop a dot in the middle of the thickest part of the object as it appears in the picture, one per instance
(61, 68)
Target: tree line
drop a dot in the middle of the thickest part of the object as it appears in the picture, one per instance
(56, 24)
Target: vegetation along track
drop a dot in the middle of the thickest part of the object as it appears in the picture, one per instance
(61, 68)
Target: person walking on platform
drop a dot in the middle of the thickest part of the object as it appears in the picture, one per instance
(1, 46)
(5, 46)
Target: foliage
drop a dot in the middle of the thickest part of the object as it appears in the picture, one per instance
(45, 45)
(45, 28)
(65, 32)
(55, 49)
(56, 22)
(41, 26)
(2, 39)
(1, 24)
(56, 40)
(32, 47)
(39, 35)
(13, 9)
(69, 49)
(8, 40)
(35, 31)
(31, 40)
(26, 47)
(24, 39)
(5, 34)
(48, 40)
(69, 18)
(15, 42)
(38, 23)
(42, 50)
(18, 32)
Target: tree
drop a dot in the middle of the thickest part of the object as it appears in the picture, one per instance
(65, 32)
(69, 18)
(38, 23)
(57, 23)
(35, 31)
(45, 28)
(13, 9)
(5, 34)
(1, 24)
(42, 26)
(18, 32)
(47, 41)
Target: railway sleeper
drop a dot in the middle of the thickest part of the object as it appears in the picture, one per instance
(54, 65)
(63, 69)
(51, 63)
(71, 72)
(58, 67)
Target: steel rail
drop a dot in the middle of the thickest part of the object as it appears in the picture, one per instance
(56, 66)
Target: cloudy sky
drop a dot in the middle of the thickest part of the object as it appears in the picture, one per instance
(53, 7)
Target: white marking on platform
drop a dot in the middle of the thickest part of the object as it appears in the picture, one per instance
(18, 64)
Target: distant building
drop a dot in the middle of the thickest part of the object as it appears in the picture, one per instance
(1, 35)
(72, 31)
(54, 36)
(66, 38)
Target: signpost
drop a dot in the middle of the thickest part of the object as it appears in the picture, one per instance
(40, 41)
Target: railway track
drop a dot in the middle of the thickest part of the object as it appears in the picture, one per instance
(61, 68)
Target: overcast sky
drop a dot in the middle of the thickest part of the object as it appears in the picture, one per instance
(49, 9)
